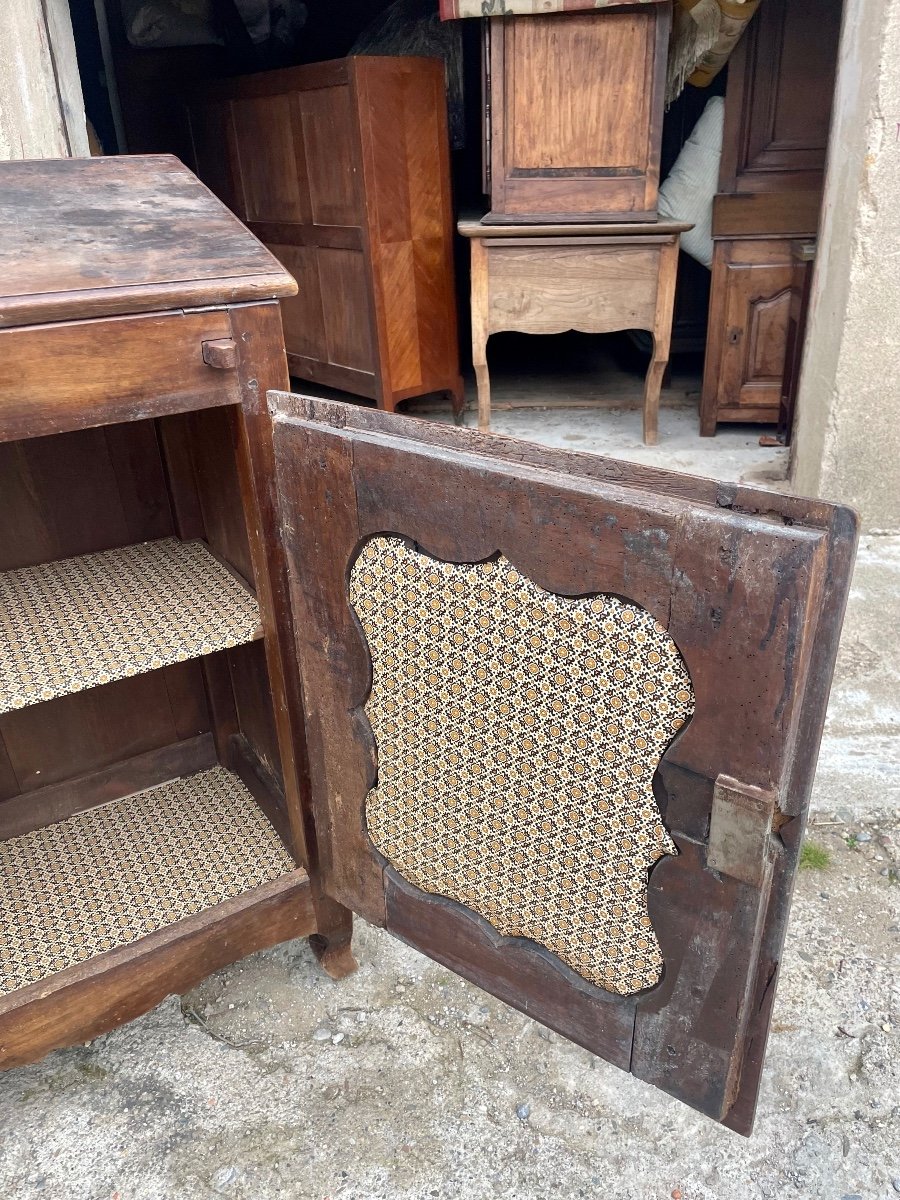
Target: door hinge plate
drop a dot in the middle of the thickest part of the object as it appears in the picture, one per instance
(740, 831)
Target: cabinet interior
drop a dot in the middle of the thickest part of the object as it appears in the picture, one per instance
(131, 659)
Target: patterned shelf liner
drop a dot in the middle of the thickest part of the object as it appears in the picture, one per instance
(80, 622)
(114, 874)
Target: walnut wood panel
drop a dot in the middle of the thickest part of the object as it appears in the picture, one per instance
(344, 172)
(139, 259)
(88, 731)
(574, 114)
(779, 98)
(82, 1002)
(55, 378)
(80, 493)
(742, 593)
(745, 353)
(47, 805)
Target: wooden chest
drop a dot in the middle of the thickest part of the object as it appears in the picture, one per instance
(265, 660)
(342, 170)
(573, 110)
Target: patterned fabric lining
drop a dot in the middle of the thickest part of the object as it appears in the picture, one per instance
(79, 622)
(517, 734)
(109, 876)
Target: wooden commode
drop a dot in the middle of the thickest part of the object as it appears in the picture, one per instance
(268, 660)
(592, 278)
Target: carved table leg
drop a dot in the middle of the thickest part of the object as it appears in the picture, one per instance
(662, 337)
(480, 330)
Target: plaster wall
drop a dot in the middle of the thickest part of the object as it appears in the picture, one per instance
(41, 107)
(847, 436)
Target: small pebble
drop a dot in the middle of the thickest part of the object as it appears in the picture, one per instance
(523, 1112)
(322, 1034)
(895, 1184)
(337, 1039)
(224, 1177)
(864, 836)
(886, 1026)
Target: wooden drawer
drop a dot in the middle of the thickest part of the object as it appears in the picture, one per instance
(55, 378)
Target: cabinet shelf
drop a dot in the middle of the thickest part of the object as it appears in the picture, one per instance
(80, 622)
(108, 877)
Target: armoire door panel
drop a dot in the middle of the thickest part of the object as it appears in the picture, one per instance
(264, 129)
(329, 139)
(504, 662)
(345, 307)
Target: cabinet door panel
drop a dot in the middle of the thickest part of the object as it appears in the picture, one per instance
(562, 715)
(576, 106)
(756, 322)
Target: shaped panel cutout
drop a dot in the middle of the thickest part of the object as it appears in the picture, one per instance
(518, 732)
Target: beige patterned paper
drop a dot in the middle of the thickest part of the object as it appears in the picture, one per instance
(109, 876)
(517, 734)
(80, 622)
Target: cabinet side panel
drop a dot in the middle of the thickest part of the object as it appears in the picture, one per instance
(403, 128)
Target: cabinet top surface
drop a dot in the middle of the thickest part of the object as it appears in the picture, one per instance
(103, 236)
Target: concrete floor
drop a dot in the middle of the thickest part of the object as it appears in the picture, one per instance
(405, 1083)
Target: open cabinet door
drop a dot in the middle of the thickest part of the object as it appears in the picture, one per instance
(563, 716)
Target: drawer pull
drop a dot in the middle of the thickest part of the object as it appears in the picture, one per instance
(220, 353)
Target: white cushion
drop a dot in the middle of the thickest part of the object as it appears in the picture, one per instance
(688, 190)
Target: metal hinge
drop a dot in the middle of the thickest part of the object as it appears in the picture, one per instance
(740, 831)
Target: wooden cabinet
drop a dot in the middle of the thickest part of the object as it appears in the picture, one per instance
(777, 114)
(151, 827)
(342, 170)
(750, 300)
(573, 114)
(266, 660)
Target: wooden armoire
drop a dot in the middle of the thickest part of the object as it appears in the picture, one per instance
(267, 660)
(777, 115)
(343, 170)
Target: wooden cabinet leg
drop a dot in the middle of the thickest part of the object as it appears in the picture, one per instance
(483, 382)
(457, 396)
(662, 338)
(480, 330)
(652, 388)
(332, 944)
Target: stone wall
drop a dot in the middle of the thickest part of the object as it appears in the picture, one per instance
(847, 437)
(41, 107)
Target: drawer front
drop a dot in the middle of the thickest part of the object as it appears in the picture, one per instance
(594, 289)
(55, 378)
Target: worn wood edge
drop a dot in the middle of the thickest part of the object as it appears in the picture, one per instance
(813, 708)
(88, 999)
(462, 929)
(47, 307)
(260, 781)
(670, 485)
(47, 805)
(470, 227)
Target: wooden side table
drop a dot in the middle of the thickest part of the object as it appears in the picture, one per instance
(593, 278)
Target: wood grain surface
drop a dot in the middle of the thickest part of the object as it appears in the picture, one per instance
(750, 586)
